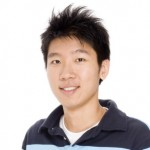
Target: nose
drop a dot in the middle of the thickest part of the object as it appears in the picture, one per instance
(67, 72)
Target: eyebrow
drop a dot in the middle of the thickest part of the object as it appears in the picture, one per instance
(55, 54)
(52, 54)
(80, 51)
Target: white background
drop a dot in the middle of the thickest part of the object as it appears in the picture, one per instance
(25, 96)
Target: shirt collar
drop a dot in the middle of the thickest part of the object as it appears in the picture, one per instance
(114, 119)
(53, 119)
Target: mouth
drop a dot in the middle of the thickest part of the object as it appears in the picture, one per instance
(69, 90)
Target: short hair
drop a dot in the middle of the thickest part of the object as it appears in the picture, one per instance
(77, 22)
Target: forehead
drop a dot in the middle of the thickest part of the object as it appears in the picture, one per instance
(65, 44)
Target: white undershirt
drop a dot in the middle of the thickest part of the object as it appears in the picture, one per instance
(72, 136)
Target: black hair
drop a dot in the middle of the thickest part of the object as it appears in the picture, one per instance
(79, 23)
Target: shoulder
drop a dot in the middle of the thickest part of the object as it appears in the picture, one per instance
(36, 126)
(33, 131)
(135, 124)
(140, 131)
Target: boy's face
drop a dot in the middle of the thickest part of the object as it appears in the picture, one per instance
(73, 72)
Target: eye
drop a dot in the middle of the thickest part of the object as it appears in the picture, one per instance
(80, 60)
(55, 62)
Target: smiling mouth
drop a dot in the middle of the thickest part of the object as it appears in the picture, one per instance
(69, 90)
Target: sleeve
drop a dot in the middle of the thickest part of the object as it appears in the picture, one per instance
(142, 140)
(24, 143)
(32, 134)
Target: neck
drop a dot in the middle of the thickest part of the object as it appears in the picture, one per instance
(83, 118)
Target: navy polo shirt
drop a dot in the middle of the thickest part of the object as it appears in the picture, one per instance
(116, 131)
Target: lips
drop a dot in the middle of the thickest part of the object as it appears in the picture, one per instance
(69, 89)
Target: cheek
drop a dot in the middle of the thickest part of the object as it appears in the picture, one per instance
(90, 74)
(52, 76)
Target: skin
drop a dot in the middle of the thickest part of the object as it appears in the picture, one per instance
(73, 74)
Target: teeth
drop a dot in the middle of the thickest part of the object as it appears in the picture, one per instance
(69, 88)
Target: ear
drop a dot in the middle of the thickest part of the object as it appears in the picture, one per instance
(104, 70)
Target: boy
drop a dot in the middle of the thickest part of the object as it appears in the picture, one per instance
(76, 52)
